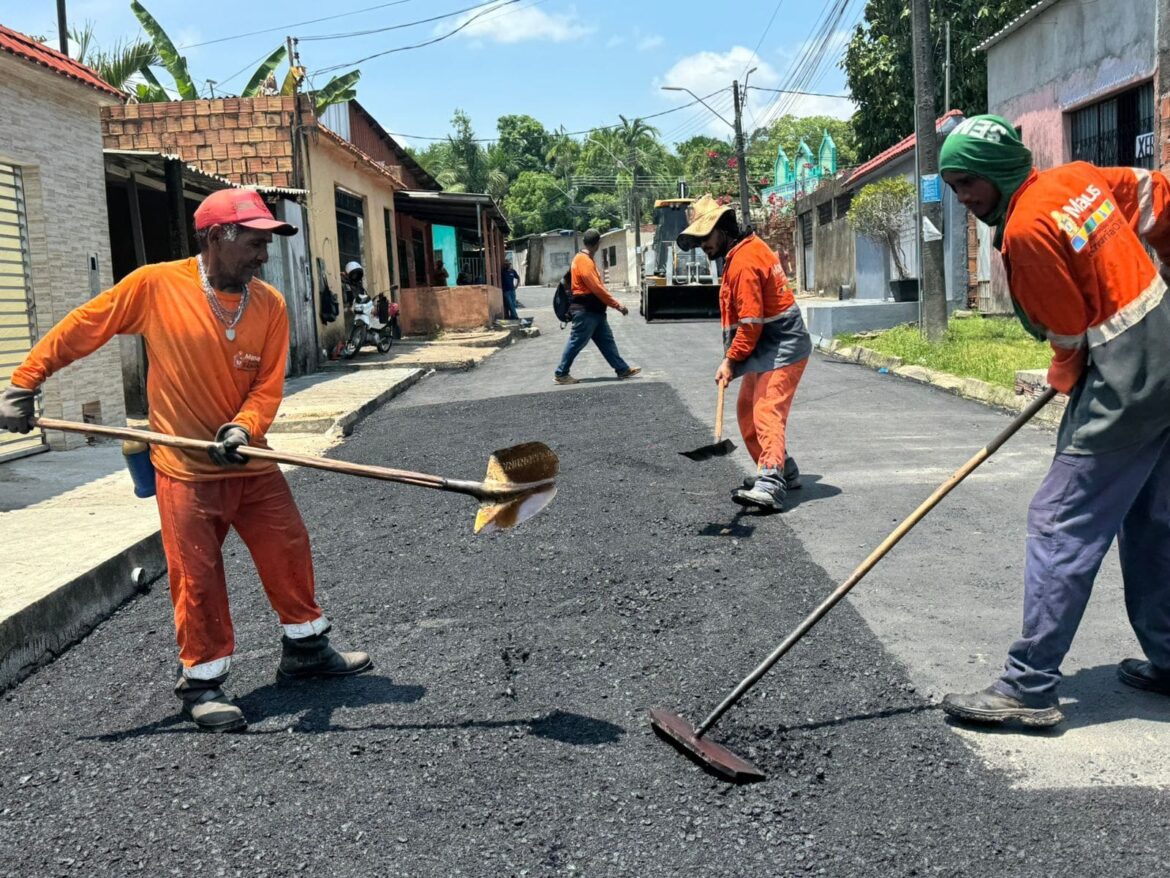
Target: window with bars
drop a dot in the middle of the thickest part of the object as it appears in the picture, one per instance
(824, 213)
(841, 205)
(1118, 131)
(351, 213)
(16, 308)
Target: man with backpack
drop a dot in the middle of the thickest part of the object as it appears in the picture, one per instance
(588, 315)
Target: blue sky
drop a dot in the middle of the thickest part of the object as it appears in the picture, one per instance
(577, 64)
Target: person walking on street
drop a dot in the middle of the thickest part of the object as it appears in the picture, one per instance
(590, 301)
(765, 343)
(1072, 243)
(217, 339)
(509, 278)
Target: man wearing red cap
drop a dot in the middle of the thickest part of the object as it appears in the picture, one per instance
(217, 340)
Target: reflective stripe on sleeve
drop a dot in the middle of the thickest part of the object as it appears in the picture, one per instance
(1145, 191)
(1130, 315)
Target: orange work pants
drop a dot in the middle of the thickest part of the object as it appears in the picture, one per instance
(765, 398)
(195, 518)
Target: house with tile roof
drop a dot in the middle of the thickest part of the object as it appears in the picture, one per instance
(54, 228)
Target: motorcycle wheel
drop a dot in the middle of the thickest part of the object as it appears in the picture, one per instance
(354, 344)
(395, 329)
(385, 339)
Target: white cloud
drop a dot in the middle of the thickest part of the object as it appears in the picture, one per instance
(707, 72)
(516, 24)
(652, 41)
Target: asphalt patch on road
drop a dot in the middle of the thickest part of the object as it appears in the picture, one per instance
(504, 728)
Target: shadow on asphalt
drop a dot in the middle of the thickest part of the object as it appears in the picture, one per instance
(812, 488)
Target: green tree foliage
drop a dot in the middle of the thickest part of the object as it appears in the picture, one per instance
(879, 64)
(536, 203)
(879, 212)
(523, 145)
(787, 132)
(118, 66)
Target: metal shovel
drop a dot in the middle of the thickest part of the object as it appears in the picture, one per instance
(717, 448)
(520, 480)
(690, 740)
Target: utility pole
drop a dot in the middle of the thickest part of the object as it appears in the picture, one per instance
(947, 74)
(62, 28)
(933, 295)
(741, 158)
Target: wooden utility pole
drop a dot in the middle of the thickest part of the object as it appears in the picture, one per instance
(741, 157)
(933, 295)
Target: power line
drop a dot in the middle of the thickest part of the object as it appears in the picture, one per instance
(421, 45)
(379, 30)
(808, 94)
(285, 28)
(763, 36)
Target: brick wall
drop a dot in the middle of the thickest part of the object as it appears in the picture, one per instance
(246, 140)
(52, 132)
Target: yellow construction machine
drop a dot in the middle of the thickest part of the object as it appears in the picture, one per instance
(678, 286)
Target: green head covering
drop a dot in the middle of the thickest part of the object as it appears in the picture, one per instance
(988, 147)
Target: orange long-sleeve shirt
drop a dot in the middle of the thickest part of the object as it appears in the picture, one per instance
(197, 379)
(586, 281)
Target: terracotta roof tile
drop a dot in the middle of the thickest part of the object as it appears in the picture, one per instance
(898, 149)
(26, 47)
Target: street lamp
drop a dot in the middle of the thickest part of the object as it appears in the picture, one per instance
(737, 127)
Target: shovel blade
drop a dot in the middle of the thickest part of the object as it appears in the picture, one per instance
(502, 515)
(517, 466)
(719, 449)
(714, 757)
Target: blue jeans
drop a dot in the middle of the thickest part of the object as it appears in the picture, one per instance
(589, 325)
(510, 312)
(1085, 502)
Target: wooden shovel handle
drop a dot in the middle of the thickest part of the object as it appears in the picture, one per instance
(719, 413)
(479, 490)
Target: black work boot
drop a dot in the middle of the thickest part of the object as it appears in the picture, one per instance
(767, 493)
(993, 707)
(791, 476)
(207, 705)
(314, 657)
(1144, 675)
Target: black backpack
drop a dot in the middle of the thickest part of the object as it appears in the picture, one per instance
(562, 299)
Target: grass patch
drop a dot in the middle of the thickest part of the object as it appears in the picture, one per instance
(991, 349)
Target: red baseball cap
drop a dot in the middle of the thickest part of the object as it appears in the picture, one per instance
(243, 207)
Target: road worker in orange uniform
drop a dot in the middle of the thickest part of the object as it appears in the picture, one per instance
(765, 342)
(217, 340)
(1072, 242)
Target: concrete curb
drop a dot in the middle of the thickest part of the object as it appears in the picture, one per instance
(344, 425)
(968, 388)
(43, 630)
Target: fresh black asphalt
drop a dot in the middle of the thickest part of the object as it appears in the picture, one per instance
(504, 730)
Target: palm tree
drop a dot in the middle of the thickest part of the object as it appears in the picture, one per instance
(119, 66)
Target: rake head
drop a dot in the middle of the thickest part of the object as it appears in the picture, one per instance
(711, 756)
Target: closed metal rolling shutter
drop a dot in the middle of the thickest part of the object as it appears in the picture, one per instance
(16, 336)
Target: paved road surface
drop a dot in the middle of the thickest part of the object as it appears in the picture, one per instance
(504, 730)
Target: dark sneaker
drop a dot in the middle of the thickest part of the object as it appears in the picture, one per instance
(993, 707)
(314, 657)
(630, 372)
(767, 494)
(1143, 675)
(564, 379)
(791, 476)
(207, 705)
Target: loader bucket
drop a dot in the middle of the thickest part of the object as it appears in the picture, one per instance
(677, 302)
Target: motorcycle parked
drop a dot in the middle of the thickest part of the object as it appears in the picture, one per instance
(375, 320)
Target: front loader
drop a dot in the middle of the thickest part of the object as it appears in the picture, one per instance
(682, 286)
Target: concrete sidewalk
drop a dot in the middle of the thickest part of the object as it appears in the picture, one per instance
(75, 542)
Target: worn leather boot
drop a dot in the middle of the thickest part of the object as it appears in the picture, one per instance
(314, 657)
(991, 706)
(791, 476)
(207, 705)
(1143, 675)
(767, 494)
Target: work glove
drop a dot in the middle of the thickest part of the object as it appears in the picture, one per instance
(17, 407)
(228, 438)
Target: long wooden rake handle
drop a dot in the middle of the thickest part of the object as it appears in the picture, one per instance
(479, 490)
(876, 555)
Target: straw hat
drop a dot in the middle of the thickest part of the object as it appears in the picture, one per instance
(705, 213)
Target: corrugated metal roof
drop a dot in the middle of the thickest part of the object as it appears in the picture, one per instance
(150, 157)
(1015, 24)
(26, 47)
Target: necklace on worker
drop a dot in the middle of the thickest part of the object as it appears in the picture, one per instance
(229, 320)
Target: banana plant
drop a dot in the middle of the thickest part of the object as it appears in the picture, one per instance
(268, 68)
(175, 63)
(336, 91)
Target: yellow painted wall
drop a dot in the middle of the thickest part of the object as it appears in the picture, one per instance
(331, 166)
